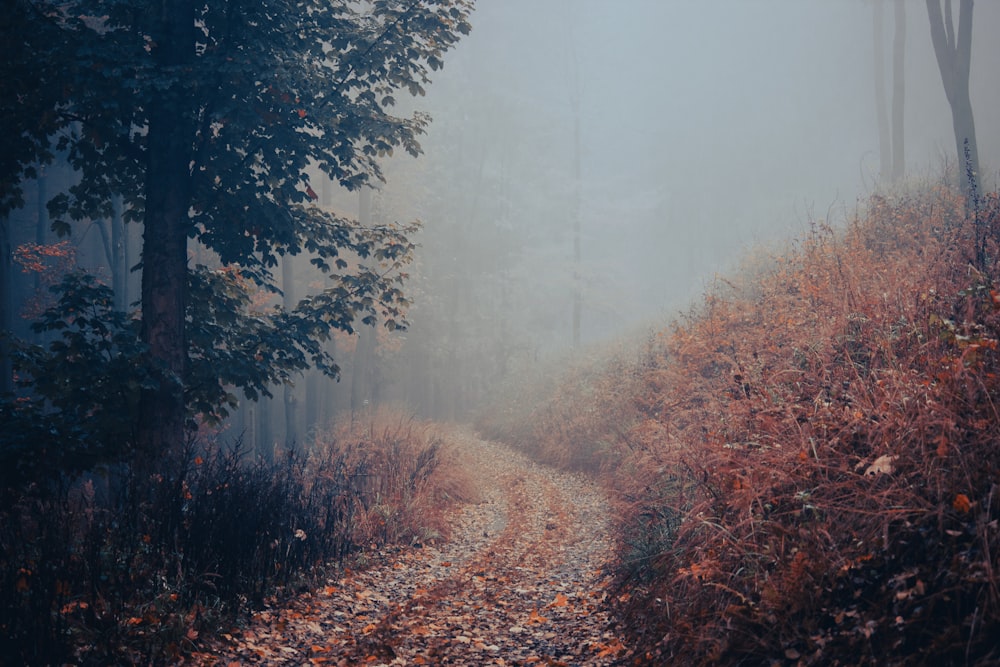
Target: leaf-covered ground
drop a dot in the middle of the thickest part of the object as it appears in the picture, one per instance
(520, 582)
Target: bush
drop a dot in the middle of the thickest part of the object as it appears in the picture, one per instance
(826, 431)
(805, 466)
(118, 566)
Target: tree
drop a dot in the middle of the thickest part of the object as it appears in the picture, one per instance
(890, 134)
(205, 117)
(954, 56)
(28, 47)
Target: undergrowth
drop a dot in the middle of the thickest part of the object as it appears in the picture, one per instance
(807, 467)
(114, 567)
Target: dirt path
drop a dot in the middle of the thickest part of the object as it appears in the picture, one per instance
(519, 583)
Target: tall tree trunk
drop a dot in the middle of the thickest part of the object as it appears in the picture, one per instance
(898, 90)
(954, 56)
(881, 111)
(6, 306)
(890, 127)
(161, 427)
(577, 256)
(265, 429)
(115, 240)
(119, 254)
(364, 351)
(291, 402)
(42, 220)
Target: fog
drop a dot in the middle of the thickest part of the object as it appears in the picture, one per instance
(665, 139)
(705, 128)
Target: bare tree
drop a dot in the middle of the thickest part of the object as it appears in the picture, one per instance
(6, 305)
(890, 128)
(898, 89)
(954, 56)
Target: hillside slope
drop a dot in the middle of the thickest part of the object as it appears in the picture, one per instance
(807, 464)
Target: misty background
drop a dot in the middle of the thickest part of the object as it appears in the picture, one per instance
(669, 138)
(704, 128)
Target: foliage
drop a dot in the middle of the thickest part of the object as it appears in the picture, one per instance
(809, 473)
(122, 567)
(829, 428)
(84, 385)
(268, 103)
(32, 52)
(216, 114)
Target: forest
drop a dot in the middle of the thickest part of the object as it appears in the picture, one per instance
(509, 332)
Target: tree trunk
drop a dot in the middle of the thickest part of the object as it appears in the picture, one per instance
(119, 255)
(161, 428)
(6, 306)
(898, 91)
(42, 219)
(954, 55)
(881, 112)
(112, 240)
(364, 351)
(265, 430)
(890, 128)
(291, 402)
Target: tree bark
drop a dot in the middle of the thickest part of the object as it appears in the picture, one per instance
(291, 401)
(898, 91)
(6, 306)
(364, 350)
(161, 429)
(881, 111)
(954, 56)
(890, 127)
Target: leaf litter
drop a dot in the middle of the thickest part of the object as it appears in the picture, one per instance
(522, 581)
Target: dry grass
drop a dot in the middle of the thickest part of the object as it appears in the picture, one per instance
(120, 568)
(405, 476)
(807, 469)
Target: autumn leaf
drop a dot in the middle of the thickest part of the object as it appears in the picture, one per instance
(611, 648)
(534, 617)
(961, 503)
(560, 601)
(942, 446)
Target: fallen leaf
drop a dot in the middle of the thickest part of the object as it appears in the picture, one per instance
(534, 617)
(961, 503)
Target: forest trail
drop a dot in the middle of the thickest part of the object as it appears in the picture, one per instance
(520, 582)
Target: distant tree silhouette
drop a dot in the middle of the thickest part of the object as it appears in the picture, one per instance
(954, 56)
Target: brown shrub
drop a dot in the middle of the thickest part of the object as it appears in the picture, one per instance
(405, 477)
(815, 476)
(805, 466)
